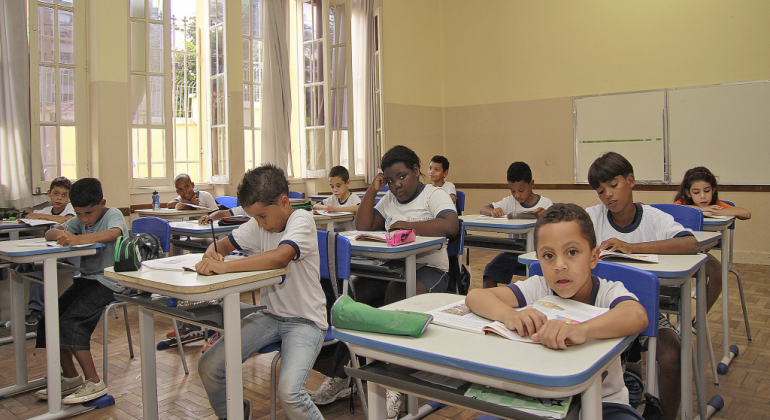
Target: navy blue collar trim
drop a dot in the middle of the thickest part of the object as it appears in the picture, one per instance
(633, 225)
(536, 202)
(594, 290)
(343, 202)
(419, 191)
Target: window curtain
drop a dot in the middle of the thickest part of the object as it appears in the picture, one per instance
(276, 115)
(15, 161)
(363, 85)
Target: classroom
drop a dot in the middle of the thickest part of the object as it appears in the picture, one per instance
(484, 83)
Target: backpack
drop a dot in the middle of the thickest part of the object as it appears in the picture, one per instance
(131, 251)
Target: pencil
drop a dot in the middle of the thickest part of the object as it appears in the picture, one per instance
(214, 236)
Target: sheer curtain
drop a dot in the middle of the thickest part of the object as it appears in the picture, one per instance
(15, 165)
(276, 115)
(363, 85)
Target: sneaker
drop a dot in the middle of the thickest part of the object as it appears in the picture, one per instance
(89, 391)
(247, 408)
(68, 386)
(186, 331)
(33, 318)
(330, 390)
(213, 340)
(395, 404)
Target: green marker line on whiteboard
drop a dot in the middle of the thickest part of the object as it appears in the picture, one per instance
(620, 141)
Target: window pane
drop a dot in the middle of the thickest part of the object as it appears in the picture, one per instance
(307, 21)
(157, 109)
(139, 153)
(245, 47)
(66, 53)
(245, 17)
(66, 3)
(319, 105)
(48, 152)
(341, 33)
(246, 105)
(221, 99)
(47, 93)
(214, 99)
(156, 9)
(158, 153)
(342, 98)
(156, 48)
(137, 8)
(256, 60)
(257, 106)
(67, 94)
(257, 147)
(221, 50)
(308, 65)
(332, 26)
(45, 37)
(309, 120)
(138, 46)
(138, 100)
(248, 149)
(256, 18)
(340, 139)
(68, 152)
(318, 63)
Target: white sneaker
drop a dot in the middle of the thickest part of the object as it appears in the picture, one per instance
(68, 386)
(331, 390)
(89, 391)
(395, 403)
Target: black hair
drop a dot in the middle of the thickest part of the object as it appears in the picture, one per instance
(519, 171)
(182, 176)
(86, 192)
(341, 172)
(400, 154)
(568, 212)
(441, 160)
(699, 173)
(62, 182)
(263, 184)
(606, 167)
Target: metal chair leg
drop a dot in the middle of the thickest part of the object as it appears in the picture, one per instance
(254, 297)
(274, 385)
(179, 346)
(105, 318)
(359, 384)
(711, 355)
(128, 332)
(743, 304)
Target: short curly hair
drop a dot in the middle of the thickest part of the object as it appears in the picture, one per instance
(567, 213)
(263, 184)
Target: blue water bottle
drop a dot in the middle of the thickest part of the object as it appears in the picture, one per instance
(155, 200)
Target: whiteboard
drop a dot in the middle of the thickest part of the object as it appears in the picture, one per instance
(725, 128)
(632, 124)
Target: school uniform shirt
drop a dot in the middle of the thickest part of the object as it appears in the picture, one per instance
(449, 188)
(238, 211)
(68, 210)
(204, 199)
(427, 204)
(510, 205)
(300, 294)
(649, 224)
(92, 266)
(604, 294)
(353, 200)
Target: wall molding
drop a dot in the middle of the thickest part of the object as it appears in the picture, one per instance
(637, 187)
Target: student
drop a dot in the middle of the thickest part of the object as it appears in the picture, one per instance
(295, 312)
(699, 190)
(82, 304)
(625, 226)
(341, 199)
(502, 268)
(189, 195)
(566, 248)
(438, 170)
(59, 211)
(409, 204)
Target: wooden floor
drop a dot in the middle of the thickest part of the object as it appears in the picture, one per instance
(745, 389)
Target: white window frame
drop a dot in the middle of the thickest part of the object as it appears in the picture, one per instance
(253, 140)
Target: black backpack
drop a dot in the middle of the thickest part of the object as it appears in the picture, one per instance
(131, 251)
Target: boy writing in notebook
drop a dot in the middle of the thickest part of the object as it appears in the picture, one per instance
(566, 249)
(341, 200)
(189, 195)
(437, 172)
(295, 313)
(629, 227)
(522, 200)
(82, 304)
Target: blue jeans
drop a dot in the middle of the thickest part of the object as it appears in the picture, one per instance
(36, 296)
(301, 342)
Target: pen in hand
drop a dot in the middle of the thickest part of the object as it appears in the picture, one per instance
(214, 236)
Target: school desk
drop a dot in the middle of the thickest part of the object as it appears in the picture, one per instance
(327, 222)
(13, 252)
(13, 228)
(317, 198)
(185, 285)
(526, 368)
(171, 214)
(678, 270)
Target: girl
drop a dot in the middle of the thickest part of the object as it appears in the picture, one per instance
(699, 190)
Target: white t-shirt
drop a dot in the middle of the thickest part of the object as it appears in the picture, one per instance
(427, 204)
(604, 294)
(649, 224)
(67, 211)
(300, 294)
(353, 200)
(205, 199)
(449, 188)
(510, 205)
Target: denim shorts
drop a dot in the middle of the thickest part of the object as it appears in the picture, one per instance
(503, 267)
(80, 308)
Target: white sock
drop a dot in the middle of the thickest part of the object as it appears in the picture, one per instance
(71, 380)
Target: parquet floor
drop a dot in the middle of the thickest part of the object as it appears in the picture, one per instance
(745, 389)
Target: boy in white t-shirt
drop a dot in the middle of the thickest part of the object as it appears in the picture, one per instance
(438, 170)
(522, 202)
(567, 251)
(189, 195)
(341, 200)
(628, 227)
(295, 313)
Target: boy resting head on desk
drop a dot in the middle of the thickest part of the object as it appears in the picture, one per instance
(60, 209)
(189, 195)
(82, 304)
(566, 248)
(295, 309)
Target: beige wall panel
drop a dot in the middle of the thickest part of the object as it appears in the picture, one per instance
(417, 127)
(109, 140)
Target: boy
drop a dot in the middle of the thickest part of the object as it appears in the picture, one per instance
(625, 226)
(82, 304)
(437, 172)
(189, 195)
(59, 211)
(502, 268)
(566, 248)
(341, 199)
(295, 313)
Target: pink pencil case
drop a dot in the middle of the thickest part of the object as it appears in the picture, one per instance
(400, 237)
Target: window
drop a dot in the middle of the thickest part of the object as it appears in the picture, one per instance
(218, 88)
(378, 103)
(58, 90)
(253, 57)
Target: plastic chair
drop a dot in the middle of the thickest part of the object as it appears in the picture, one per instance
(227, 200)
(335, 252)
(645, 286)
(689, 217)
(455, 252)
(738, 276)
(460, 202)
(385, 188)
(295, 194)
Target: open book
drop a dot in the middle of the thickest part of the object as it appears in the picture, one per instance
(332, 213)
(195, 206)
(457, 315)
(651, 258)
(184, 262)
(525, 214)
(38, 222)
(44, 242)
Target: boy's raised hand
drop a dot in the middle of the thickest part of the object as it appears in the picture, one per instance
(557, 334)
(378, 182)
(526, 321)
